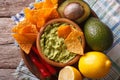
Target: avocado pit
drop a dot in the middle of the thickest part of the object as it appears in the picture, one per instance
(73, 11)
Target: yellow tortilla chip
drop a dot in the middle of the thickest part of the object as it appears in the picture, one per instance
(73, 42)
(46, 4)
(25, 38)
(29, 15)
(38, 5)
(26, 47)
(17, 27)
(64, 31)
(25, 27)
(50, 3)
(41, 16)
(28, 29)
(25, 34)
(54, 14)
(25, 41)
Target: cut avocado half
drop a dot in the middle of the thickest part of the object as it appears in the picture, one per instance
(76, 10)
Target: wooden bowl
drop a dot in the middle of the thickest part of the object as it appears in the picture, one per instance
(54, 63)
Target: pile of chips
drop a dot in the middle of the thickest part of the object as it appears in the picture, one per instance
(25, 32)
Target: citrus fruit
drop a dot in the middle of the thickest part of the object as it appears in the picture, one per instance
(98, 35)
(94, 65)
(69, 73)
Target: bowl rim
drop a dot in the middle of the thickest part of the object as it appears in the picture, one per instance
(75, 59)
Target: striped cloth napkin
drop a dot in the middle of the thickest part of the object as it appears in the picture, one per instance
(108, 12)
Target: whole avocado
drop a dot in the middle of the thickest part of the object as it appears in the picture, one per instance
(98, 35)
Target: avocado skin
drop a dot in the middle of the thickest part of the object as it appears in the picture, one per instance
(98, 35)
(86, 7)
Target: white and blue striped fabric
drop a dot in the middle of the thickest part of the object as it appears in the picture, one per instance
(20, 16)
(108, 12)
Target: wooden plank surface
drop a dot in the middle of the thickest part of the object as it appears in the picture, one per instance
(6, 25)
(11, 7)
(7, 74)
(9, 52)
(9, 56)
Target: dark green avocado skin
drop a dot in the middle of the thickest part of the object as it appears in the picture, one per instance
(98, 35)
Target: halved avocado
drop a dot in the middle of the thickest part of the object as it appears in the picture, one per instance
(76, 10)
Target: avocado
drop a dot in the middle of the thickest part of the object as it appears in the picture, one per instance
(76, 10)
(98, 35)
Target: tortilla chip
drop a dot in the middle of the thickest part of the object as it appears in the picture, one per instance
(25, 26)
(64, 31)
(46, 4)
(28, 29)
(25, 41)
(25, 38)
(50, 3)
(42, 16)
(38, 5)
(54, 14)
(26, 47)
(54, 1)
(40, 23)
(29, 15)
(73, 42)
(19, 26)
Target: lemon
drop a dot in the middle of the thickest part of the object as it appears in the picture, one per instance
(69, 73)
(94, 65)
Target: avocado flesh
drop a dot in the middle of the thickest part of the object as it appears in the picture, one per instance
(82, 3)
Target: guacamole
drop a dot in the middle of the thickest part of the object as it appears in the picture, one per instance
(53, 46)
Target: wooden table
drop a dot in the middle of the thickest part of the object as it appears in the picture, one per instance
(9, 53)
